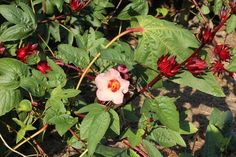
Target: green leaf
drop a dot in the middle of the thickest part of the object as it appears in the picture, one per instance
(59, 93)
(217, 6)
(24, 20)
(187, 128)
(206, 83)
(63, 122)
(90, 108)
(223, 120)
(87, 122)
(54, 30)
(29, 16)
(56, 114)
(36, 84)
(232, 65)
(115, 124)
(231, 24)
(16, 32)
(134, 137)
(165, 111)
(106, 151)
(25, 106)
(137, 7)
(214, 142)
(11, 73)
(161, 37)
(58, 4)
(151, 149)
(70, 54)
(11, 13)
(56, 76)
(205, 9)
(121, 53)
(185, 155)
(97, 131)
(23, 129)
(163, 11)
(166, 137)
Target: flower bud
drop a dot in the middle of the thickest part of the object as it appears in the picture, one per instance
(168, 66)
(43, 67)
(76, 5)
(223, 13)
(217, 67)
(23, 52)
(222, 52)
(206, 35)
(196, 65)
(2, 48)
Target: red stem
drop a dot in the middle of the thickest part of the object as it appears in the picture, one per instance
(137, 149)
(74, 68)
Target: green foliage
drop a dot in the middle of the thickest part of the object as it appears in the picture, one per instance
(70, 54)
(110, 151)
(231, 24)
(218, 134)
(166, 137)
(206, 83)
(134, 136)
(217, 6)
(232, 65)
(25, 106)
(136, 7)
(97, 130)
(23, 22)
(151, 149)
(23, 129)
(161, 37)
(165, 110)
(9, 100)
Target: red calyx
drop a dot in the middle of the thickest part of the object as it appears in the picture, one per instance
(76, 5)
(168, 66)
(218, 67)
(196, 65)
(43, 67)
(206, 35)
(223, 13)
(2, 48)
(222, 52)
(23, 52)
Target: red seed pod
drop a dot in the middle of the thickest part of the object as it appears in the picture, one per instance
(43, 67)
(23, 52)
(223, 13)
(76, 5)
(217, 67)
(168, 66)
(2, 48)
(206, 35)
(196, 65)
(222, 52)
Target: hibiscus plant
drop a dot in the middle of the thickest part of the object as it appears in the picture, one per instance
(85, 71)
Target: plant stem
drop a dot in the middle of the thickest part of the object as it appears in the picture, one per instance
(109, 44)
(199, 9)
(137, 149)
(46, 45)
(84, 153)
(29, 138)
(74, 134)
(5, 143)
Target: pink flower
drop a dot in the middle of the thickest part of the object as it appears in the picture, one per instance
(111, 87)
(222, 51)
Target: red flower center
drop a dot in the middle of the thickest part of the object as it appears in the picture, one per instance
(114, 85)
